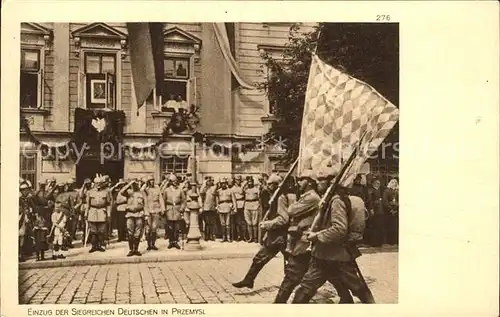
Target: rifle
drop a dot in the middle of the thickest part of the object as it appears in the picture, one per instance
(330, 192)
(277, 193)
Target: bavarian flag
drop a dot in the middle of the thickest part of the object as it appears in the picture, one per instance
(341, 113)
(146, 57)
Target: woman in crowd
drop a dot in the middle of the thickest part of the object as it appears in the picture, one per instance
(374, 233)
(391, 207)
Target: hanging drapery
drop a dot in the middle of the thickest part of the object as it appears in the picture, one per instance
(222, 39)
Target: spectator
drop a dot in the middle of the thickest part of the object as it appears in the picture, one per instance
(375, 225)
(391, 207)
(358, 189)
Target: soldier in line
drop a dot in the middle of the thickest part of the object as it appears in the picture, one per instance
(65, 203)
(72, 220)
(82, 196)
(225, 208)
(136, 209)
(333, 253)
(41, 223)
(154, 212)
(24, 217)
(238, 221)
(208, 193)
(98, 208)
(301, 215)
(252, 209)
(175, 204)
(111, 214)
(121, 209)
(276, 228)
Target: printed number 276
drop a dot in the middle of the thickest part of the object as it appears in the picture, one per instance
(383, 17)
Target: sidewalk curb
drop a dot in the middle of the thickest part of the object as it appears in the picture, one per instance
(188, 256)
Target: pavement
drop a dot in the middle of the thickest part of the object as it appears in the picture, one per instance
(116, 254)
(184, 282)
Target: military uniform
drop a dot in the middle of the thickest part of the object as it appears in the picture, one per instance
(121, 210)
(274, 240)
(252, 211)
(332, 258)
(208, 194)
(156, 208)
(225, 209)
(72, 220)
(23, 220)
(301, 215)
(136, 210)
(65, 202)
(175, 204)
(99, 202)
(238, 222)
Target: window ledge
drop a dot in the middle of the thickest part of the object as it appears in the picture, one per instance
(162, 114)
(270, 118)
(35, 111)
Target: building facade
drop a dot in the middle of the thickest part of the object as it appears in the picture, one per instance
(70, 67)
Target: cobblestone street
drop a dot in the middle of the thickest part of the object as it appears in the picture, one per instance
(207, 281)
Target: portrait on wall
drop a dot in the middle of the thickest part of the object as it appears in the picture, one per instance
(98, 91)
(181, 69)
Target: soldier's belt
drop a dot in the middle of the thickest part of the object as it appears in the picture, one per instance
(225, 201)
(250, 200)
(173, 204)
(241, 199)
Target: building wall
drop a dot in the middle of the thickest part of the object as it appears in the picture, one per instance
(223, 112)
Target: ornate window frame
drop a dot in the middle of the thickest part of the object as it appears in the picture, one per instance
(99, 38)
(180, 44)
(37, 38)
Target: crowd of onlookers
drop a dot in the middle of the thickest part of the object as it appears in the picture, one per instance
(382, 204)
(51, 214)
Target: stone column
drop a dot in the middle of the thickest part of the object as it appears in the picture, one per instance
(194, 235)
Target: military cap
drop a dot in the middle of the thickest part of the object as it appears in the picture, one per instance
(98, 180)
(71, 181)
(87, 181)
(308, 173)
(274, 178)
(172, 177)
(151, 177)
(61, 184)
(223, 180)
(238, 178)
(326, 172)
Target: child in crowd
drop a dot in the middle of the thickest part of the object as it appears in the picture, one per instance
(58, 227)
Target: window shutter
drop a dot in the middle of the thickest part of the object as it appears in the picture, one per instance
(81, 89)
(191, 99)
(41, 87)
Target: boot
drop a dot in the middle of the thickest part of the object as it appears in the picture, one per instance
(37, 256)
(153, 242)
(255, 234)
(100, 243)
(148, 239)
(250, 234)
(282, 296)
(93, 241)
(42, 256)
(224, 234)
(301, 297)
(136, 247)
(229, 234)
(130, 247)
(366, 296)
